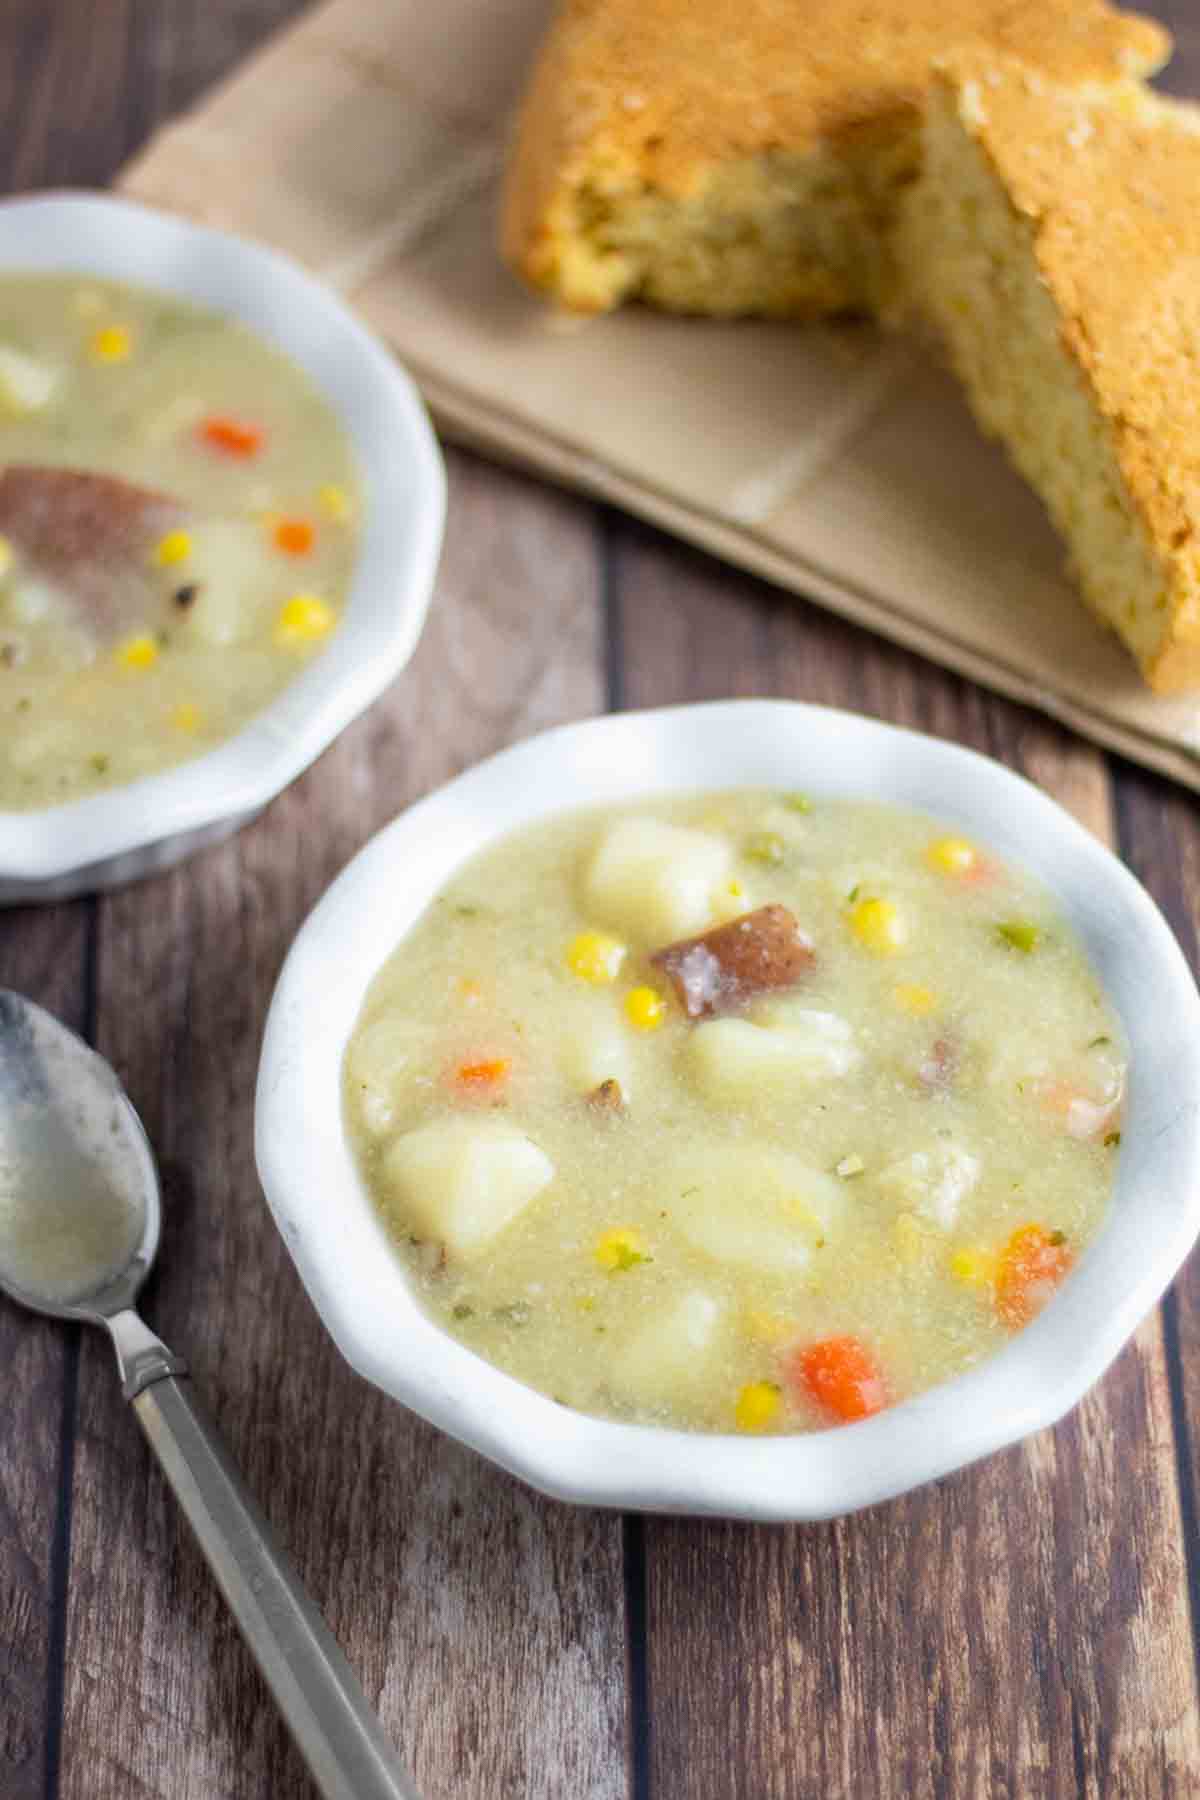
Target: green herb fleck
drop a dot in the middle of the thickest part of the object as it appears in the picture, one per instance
(1111, 1140)
(798, 803)
(463, 1311)
(1097, 1041)
(1018, 934)
(99, 763)
(1057, 1238)
(855, 891)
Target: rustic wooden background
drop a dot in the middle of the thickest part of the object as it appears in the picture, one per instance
(1024, 1629)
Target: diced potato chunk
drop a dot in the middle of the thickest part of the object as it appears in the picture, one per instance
(672, 1355)
(657, 882)
(595, 1049)
(933, 1183)
(736, 1059)
(461, 1181)
(26, 385)
(236, 580)
(755, 1208)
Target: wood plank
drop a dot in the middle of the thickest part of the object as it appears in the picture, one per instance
(1160, 840)
(486, 1622)
(1020, 1628)
(44, 954)
(45, 54)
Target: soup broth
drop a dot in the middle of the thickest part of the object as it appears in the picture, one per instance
(177, 532)
(735, 1112)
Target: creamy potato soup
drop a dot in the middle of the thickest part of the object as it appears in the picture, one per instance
(177, 531)
(737, 1112)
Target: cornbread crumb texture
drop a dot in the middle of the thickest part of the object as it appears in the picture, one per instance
(1055, 241)
(746, 155)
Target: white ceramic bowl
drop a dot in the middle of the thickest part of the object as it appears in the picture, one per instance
(146, 825)
(359, 1287)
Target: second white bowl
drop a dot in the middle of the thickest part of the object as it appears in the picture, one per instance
(148, 824)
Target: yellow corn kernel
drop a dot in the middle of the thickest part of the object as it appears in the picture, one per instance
(735, 890)
(620, 1250)
(176, 547)
(879, 927)
(769, 1327)
(974, 1268)
(138, 652)
(952, 856)
(187, 717)
(912, 997)
(6, 556)
(758, 1406)
(645, 1008)
(595, 957)
(335, 503)
(303, 619)
(112, 344)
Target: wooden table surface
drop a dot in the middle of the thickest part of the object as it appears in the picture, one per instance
(1025, 1628)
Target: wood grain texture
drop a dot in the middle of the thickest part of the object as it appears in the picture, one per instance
(1021, 1628)
(44, 954)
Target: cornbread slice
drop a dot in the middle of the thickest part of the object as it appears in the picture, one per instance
(1054, 240)
(746, 156)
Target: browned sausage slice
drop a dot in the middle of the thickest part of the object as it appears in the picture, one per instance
(91, 537)
(726, 967)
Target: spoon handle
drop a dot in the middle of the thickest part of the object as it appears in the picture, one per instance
(316, 1690)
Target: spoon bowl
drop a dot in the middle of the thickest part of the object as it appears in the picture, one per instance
(80, 1204)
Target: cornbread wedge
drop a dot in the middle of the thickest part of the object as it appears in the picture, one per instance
(746, 156)
(1054, 240)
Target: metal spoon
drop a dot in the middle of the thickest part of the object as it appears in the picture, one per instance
(79, 1229)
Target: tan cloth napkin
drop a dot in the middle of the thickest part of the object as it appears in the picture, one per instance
(367, 141)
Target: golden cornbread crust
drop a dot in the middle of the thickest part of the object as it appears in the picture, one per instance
(1107, 188)
(711, 111)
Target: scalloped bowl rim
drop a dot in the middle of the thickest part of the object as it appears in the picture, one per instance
(358, 1285)
(398, 463)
